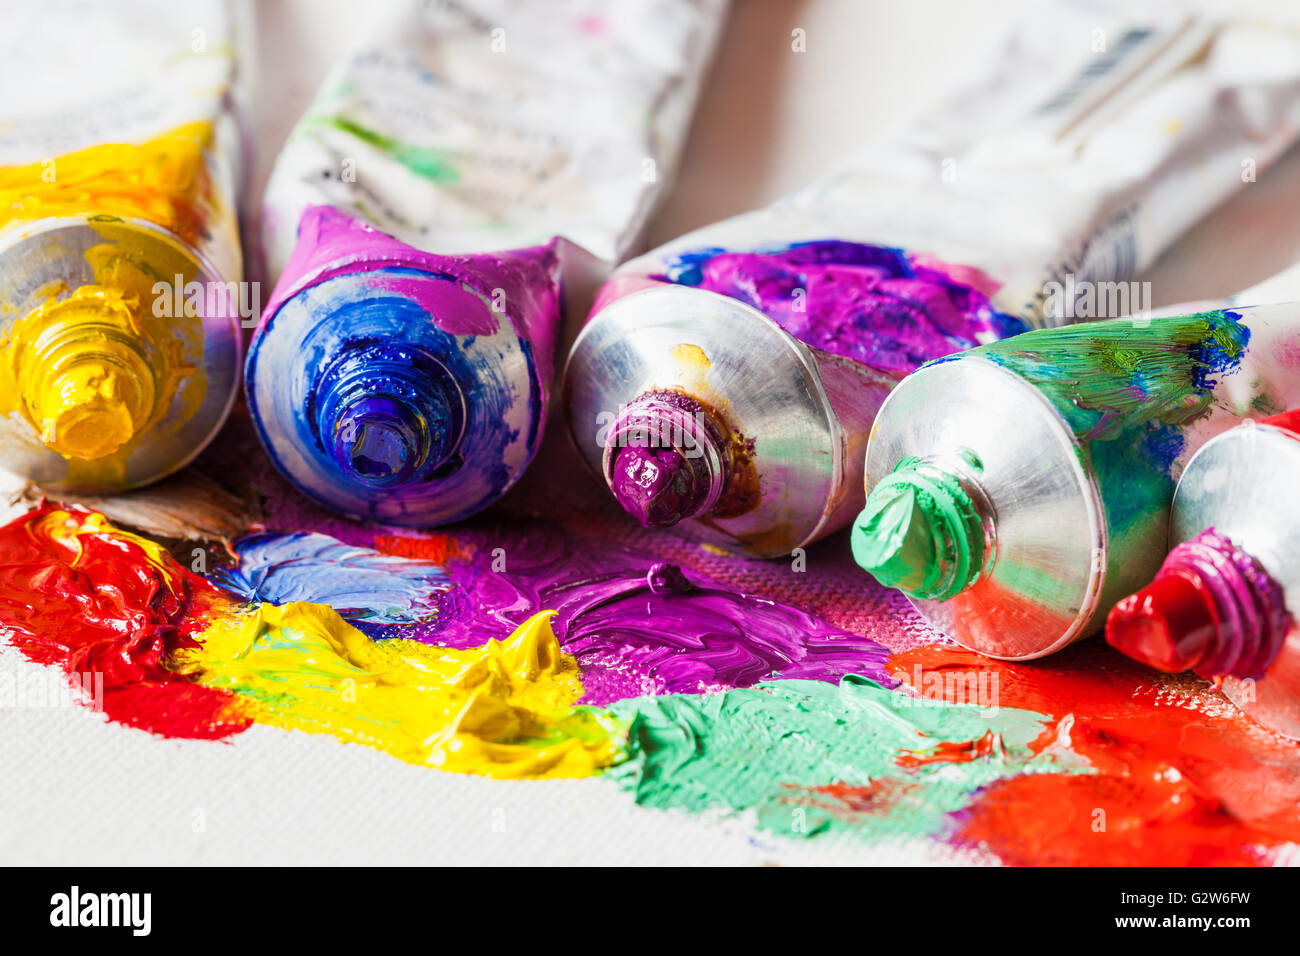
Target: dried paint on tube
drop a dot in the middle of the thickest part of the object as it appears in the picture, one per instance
(788, 326)
(119, 250)
(402, 371)
(1043, 498)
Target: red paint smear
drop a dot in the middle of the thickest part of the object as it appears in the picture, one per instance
(1177, 786)
(848, 802)
(950, 752)
(95, 602)
(438, 549)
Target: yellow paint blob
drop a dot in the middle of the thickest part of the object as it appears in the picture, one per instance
(505, 709)
(82, 372)
(93, 369)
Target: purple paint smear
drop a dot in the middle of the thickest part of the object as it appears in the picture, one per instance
(635, 624)
(883, 307)
(550, 544)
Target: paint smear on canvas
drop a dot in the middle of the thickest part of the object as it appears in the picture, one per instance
(573, 659)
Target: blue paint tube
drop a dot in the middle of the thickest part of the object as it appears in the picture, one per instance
(403, 368)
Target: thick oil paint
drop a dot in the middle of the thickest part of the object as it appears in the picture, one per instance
(1011, 760)
(635, 625)
(1174, 776)
(79, 594)
(361, 584)
(793, 751)
(504, 709)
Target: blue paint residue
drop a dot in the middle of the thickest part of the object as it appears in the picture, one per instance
(687, 268)
(1217, 358)
(312, 335)
(364, 586)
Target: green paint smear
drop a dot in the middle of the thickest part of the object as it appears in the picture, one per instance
(424, 161)
(771, 747)
(1104, 375)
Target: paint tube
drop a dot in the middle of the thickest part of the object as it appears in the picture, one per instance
(120, 262)
(1015, 204)
(1223, 603)
(1020, 489)
(402, 371)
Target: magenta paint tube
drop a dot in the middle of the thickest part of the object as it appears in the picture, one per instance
(1223, 604)
(403, 368)
(1004, 209)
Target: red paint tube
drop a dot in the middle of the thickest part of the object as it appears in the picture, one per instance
(1223, 603)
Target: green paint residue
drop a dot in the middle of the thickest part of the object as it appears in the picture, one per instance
(811, 757)
(425, 161)
(920, 532)
(1126, 388)
(1105, 375)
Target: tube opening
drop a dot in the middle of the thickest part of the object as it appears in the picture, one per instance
(386, 415)
(1212, 608)
(926, 529)
(84, 373)
(666, 459)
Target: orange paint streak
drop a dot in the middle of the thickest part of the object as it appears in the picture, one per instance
(848, 802)
(953, 752)
(438, 549)
(1180, 777)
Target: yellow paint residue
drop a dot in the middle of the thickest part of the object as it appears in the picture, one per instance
(505, 709)
(164, 181)
(80, 373)
(93, 369)
(691, 355)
